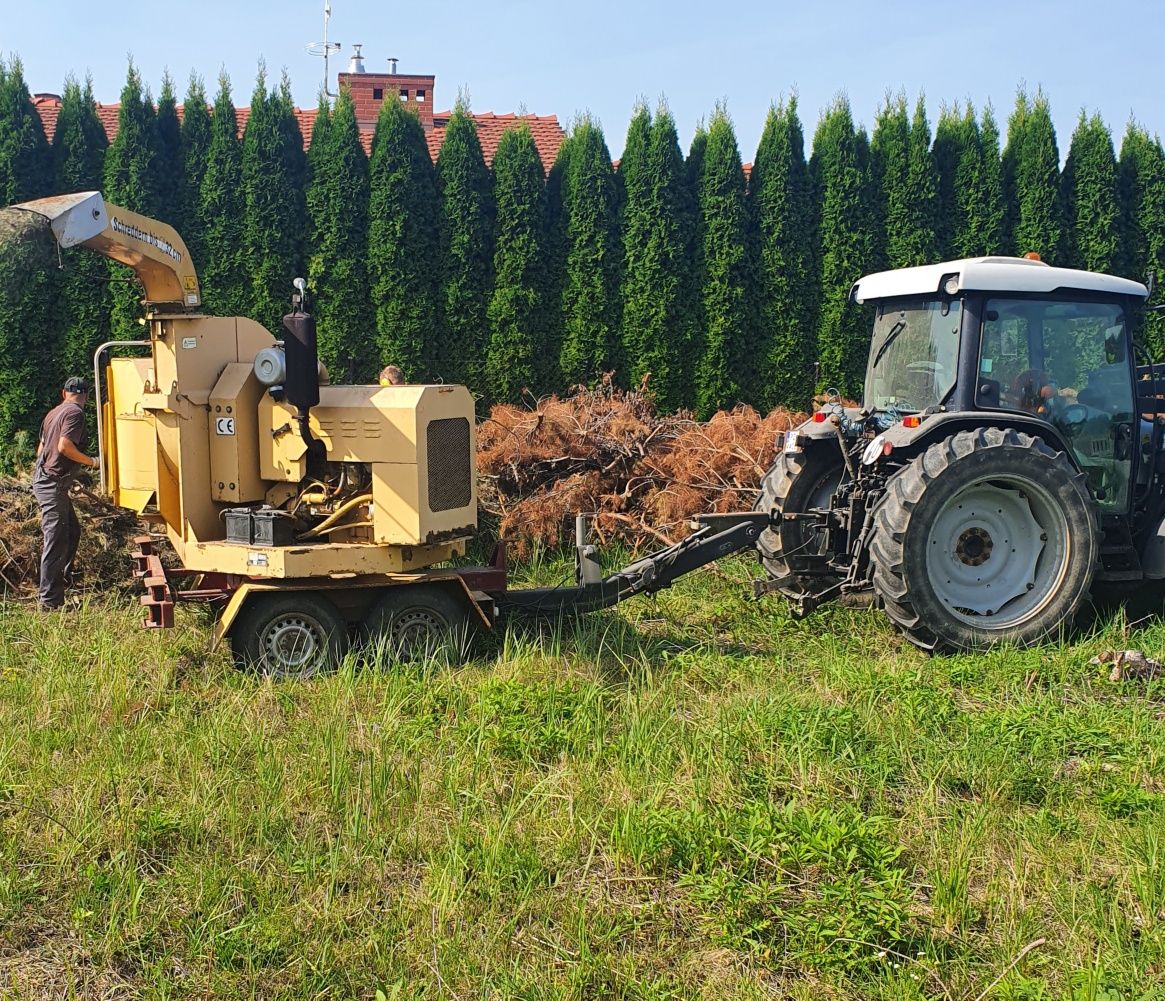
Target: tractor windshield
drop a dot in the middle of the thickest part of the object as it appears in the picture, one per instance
(913, 355)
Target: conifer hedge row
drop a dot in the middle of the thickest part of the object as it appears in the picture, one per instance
(525, 277)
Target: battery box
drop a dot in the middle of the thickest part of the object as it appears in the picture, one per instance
(264, 527)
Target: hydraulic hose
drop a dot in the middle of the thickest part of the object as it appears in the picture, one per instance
(331, 519)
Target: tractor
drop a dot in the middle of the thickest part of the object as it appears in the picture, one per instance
(1006, 461)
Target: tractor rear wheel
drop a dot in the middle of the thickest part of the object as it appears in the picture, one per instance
(797, 482)
(413, 622)
(292, 635)
(987, 537)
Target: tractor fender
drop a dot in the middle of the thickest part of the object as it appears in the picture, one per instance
(909, 442)
(242, 594)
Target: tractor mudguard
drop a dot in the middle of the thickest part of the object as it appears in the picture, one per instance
(908, 442)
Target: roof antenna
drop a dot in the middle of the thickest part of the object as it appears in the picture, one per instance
(325, 48)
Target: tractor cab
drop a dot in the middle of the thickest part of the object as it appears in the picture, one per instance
(1017, 339)
(1004, 457)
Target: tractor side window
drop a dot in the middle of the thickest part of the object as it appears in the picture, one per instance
(1065, 362)
(1004, 357)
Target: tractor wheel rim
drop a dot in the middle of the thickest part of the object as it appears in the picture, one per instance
(998, 551)
(417, 632)
(293, 644)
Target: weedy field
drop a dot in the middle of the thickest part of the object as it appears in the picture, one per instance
(692, 797)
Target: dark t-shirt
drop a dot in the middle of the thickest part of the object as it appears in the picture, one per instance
(66, 420)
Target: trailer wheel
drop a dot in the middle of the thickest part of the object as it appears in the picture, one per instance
(413, 622)
(987, 537)
(292, 635)
(797, 481)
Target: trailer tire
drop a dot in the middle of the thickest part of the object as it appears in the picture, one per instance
(987, 537)
(797, 481)
(295, 634)
(414, 622)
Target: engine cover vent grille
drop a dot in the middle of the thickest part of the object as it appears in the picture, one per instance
(450, 464)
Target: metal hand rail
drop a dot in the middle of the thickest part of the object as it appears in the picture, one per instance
(97, 395)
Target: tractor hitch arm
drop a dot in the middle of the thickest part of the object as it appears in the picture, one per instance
(717, 536)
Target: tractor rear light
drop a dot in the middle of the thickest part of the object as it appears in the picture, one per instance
(911, 422)
(819, 417)
(887, 447)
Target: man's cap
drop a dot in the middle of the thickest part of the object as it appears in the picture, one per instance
(76, 384)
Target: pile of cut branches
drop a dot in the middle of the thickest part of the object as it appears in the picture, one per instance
(103, 560)
(607, 451)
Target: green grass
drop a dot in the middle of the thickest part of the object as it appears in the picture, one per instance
(691, 797)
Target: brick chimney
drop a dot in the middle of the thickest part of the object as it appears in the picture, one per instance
(371, 90)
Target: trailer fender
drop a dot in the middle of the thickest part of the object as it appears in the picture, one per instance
(242, 594)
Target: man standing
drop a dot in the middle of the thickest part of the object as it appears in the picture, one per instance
(59, 454)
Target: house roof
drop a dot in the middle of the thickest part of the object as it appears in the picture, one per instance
(548, 134)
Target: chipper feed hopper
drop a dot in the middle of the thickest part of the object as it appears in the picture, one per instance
(307, 514)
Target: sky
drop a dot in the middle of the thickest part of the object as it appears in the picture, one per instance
(600, 56)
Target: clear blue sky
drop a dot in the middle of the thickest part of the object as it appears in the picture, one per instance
(600, 55)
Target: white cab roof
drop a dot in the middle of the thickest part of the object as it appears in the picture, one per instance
(990, 274)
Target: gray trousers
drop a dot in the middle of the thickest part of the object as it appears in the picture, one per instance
(62, 532)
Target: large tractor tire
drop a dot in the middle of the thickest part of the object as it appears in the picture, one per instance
(296, 634)
(987, 537)
(797, 481)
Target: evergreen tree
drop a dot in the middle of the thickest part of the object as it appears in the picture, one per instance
(1092, 213)
(169, 162)
(837, 170)
(657, 291)
(274, 169)
(30, 321)
(1142, 198)
(131, 181)
(518, 317)
(79, 145)
(1031, 181)
(630, 180)
(590, 304)
(951, 139)
(402, 257)
(780, 196)
(221, 206)
(556, 265)
(904, 187)
(920, 242)
(466, 226)
(970, 198)
(195, 144)
(25, 158)
(726, 373)
(987, 219)
(889, 162)
(339, 225)
(318, 201)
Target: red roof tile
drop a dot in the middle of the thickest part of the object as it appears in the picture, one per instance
(548, 134)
